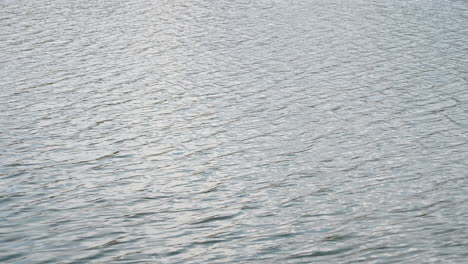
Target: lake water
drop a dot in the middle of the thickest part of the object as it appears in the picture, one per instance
(244, 131)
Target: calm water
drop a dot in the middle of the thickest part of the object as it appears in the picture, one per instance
(237, 131)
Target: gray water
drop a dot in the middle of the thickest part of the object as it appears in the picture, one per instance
(237, 131)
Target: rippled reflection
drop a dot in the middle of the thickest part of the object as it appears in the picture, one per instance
(233, 132)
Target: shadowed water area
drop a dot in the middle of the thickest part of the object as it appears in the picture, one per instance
(236, 131)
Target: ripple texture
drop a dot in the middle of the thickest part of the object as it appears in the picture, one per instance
(261, 131)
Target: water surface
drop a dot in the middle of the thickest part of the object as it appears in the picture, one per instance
(233, 131)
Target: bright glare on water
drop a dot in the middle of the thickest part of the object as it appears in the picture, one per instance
(233, 131)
